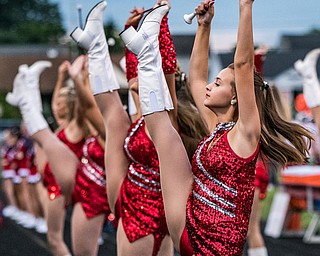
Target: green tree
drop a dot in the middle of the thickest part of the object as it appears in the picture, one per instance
(29, 21)
(6, 110)
(314, 31)
(113, 38)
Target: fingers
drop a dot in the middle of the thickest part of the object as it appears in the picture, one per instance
(75, 70)
(203, 7)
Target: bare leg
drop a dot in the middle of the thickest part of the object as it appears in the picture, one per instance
(166, 247)
(26, 203)
(35, 200)
(55, 221)
(43, 197)
(176, 176)
(8, 188)
(175, 170)
(117, 123)
(83, 229)
(61, 159)
(255, 239)
(141, 247)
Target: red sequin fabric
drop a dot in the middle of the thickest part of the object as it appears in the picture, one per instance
(219, 205)
(167, 51)
(142, 209)
(261, 179)
(131, 62)
(90, 188)
(49, 181)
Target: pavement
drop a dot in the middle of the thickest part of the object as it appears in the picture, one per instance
(18, 241)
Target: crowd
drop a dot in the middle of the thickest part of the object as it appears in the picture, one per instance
(185, 168)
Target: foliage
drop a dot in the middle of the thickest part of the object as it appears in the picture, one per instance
(7, 111)
(29, 21)
(112, 32)
(314, 31)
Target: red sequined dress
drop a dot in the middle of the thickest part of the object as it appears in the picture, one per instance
(219, 205)
(49, 180)
(90, 187)
(7, 155)
(140, 204)
(22, 160)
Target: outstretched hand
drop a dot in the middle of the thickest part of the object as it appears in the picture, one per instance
(160, 2)
(77, 67)
(205, 12)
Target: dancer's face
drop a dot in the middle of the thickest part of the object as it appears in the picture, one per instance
(219, 93)
(10, 139)
(62, 106)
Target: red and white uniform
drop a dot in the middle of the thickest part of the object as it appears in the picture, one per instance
(34, 176)
(21, 157)
(219, 205)
(140, 204)
(7, 158)
(90, 187)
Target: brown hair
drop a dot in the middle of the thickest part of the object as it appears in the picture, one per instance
(69, 93)
(192, 129)
(281, 141)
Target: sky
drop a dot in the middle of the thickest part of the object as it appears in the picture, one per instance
(271, 18)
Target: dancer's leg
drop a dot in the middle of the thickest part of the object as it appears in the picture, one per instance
(83, 229)
(176, 176)
(105, 87)
(61, 159)
(139, 247)
(255, 239)
(55, 221)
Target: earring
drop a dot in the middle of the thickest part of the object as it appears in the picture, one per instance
(233, 101)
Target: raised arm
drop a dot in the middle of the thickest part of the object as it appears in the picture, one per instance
(248, 128)
(198, 67)
(79, 74)
(61, 78)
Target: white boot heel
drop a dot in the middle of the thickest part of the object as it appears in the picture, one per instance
(128, 34)
(82, 39)
(148, 32)
(92, 29)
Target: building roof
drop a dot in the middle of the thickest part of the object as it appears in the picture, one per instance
(298, 42)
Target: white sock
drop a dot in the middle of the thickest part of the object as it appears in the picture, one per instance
(258, 251)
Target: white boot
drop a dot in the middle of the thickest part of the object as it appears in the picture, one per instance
(308, 70)
(27, 80)
(14, 97)
(259, 251)
(92, 39)
(33, 80)
(23, 96)
(153, 90)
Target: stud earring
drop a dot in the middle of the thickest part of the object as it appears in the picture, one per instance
(233, 101)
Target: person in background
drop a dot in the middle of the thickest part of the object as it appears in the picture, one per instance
(135, 194)
(72, 175)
